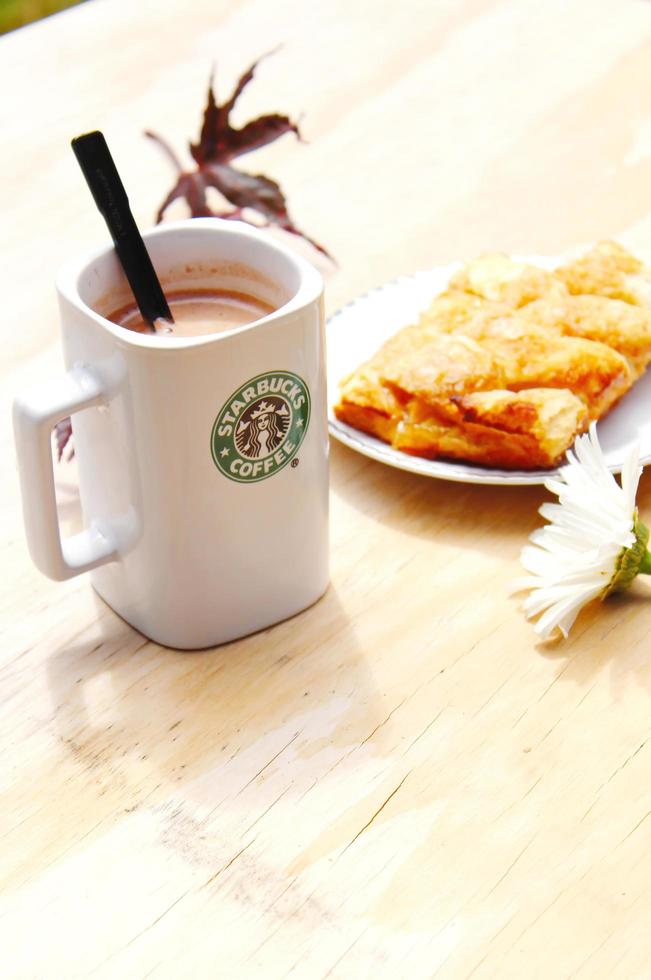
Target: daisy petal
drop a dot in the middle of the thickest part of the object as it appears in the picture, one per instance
(573, 558)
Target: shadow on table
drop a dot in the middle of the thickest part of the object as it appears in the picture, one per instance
(131, 711)
(421, 506)
(496, 520)
(418, 505)
(611, 636)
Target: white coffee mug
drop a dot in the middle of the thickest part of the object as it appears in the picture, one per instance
(196, 531)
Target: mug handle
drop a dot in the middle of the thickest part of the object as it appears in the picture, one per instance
(35, 414)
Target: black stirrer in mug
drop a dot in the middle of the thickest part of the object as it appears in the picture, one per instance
(105, 185)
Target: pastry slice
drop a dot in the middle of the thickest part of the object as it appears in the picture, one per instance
(443, 365)
(595, 373)
(520, 356)
(456, 311)
(608, 270)
(515, 430)
(367, 404)
(622, 326)
(501, 279)
(363, 383)
(439, 364)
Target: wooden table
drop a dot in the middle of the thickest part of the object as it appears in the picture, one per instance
(400, 782)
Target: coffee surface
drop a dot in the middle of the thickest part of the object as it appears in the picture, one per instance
(197, 313)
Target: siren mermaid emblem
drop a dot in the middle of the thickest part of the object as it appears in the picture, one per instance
(260, 427)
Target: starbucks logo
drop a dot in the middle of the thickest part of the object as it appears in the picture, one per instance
(263, 427)
(260, 427)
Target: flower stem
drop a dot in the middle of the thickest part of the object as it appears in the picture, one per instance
(631, 561)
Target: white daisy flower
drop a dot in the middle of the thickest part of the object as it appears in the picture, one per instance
(594, 543)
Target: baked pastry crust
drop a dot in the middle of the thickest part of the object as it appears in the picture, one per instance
(505, 368)
(608, 270)
(501, 279)
(623, 326)
(515, 430)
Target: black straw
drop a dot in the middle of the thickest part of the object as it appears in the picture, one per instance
(103, 179)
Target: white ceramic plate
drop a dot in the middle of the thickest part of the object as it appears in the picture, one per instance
(357, 330)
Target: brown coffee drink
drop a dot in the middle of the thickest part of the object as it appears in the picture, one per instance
(197, 313)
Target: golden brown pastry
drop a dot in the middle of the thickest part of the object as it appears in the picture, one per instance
(445, 396)
(531, 358)
(624, 327)
(363, 388)
(515, 430)
(454, 310)
(501, 279)
(509, 353)
(509, 364)
(452, 364)
(608, 270)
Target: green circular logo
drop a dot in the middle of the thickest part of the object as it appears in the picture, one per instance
(260, 427)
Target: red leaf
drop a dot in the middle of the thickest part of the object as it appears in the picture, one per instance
(259, 132)
(219, 143)
(62, 436)
(258, 192)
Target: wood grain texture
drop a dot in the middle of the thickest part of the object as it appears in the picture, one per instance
(400, 782)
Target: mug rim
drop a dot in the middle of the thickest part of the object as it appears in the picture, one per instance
(310, 286)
